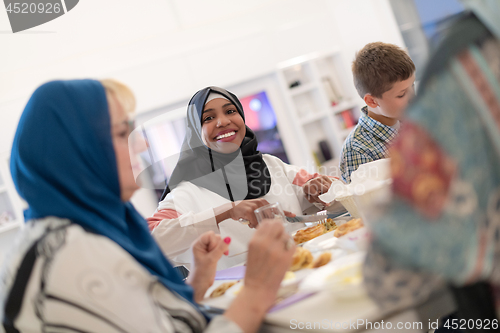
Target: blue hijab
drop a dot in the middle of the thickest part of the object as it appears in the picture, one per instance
(63, 164)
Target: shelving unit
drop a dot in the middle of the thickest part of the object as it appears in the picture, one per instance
(322, 104)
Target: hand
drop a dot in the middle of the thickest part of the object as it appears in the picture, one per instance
(269, 256)
(268, 260)
(207, 250)
(314, 187)
(244, 209)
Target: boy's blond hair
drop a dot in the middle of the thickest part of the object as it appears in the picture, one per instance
(121, 92)
(377, 66)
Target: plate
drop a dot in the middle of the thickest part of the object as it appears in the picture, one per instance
(290, 280)
(342, 277)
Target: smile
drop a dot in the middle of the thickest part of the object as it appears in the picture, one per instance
(225, 135)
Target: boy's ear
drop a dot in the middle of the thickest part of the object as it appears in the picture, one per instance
(370, 101)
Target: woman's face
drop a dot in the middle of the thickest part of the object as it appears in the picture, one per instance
(120, 131)
(222, 127)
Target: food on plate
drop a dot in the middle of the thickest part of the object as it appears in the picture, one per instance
(307, 234)
(221, 290)
(330, 225)
(302, 258)
(347, 227)
(323, 259)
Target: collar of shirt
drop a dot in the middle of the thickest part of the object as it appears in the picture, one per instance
(383, 132)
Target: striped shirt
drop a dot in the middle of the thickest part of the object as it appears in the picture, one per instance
(366, 143)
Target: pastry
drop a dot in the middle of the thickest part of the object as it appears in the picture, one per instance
(321, 260)
(221, 290)
(347, 227)
(301, 258)
(307, 234)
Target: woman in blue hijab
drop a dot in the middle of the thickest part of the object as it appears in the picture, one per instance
(85, 260)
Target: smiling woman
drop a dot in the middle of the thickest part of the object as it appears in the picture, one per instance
(221, 178)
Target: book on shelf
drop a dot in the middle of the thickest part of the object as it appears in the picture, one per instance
(347, 119)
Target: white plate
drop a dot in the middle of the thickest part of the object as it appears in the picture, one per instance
(294, 278)
(342, 277)
(324, 242)
(354, 241)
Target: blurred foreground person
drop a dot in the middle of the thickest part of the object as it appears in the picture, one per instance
(442, 225)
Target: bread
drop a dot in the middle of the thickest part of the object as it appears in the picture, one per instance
(347, 227)
(221, 290)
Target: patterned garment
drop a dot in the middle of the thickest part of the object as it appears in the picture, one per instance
(59, 277)
(443, 223)
(366, 143)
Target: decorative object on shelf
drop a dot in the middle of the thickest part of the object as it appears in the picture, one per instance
(325, 150)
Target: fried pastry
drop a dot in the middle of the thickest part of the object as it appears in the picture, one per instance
(347, 227)
(221, 290)
(301, 259)
(307, 234)
(321, 260)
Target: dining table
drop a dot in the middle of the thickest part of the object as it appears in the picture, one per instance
(322, 310)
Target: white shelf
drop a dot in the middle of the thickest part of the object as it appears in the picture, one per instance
(342, 106)
(312, 118)
(303, 88)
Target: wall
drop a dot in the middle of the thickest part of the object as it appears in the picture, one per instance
(167, 49)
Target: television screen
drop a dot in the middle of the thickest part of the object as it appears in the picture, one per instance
(260, 117)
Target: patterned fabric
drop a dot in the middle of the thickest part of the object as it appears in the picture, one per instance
(443, 223)
(366, 143)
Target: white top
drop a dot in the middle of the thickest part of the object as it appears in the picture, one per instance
(71, 280)
(195, 206)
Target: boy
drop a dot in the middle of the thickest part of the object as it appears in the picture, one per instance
(383, 76)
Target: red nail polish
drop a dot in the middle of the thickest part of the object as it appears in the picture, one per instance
(227, 240)
(226, 253)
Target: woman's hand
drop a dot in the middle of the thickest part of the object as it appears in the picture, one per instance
(269, 256)
(207, 250)
(314, 187)
(243, 209)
